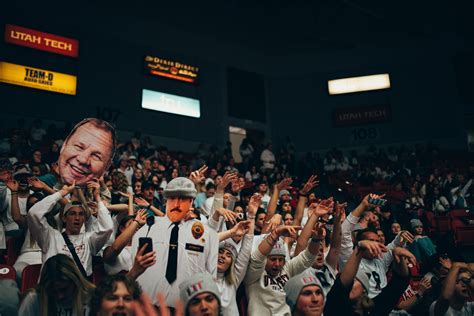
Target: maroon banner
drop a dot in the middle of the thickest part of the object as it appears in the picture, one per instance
(39, 40)
(362, 115)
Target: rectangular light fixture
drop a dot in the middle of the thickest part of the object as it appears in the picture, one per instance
(359, 84)
(169, 103)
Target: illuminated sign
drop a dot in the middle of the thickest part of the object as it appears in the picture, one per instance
(169, 103)
(171, 69)
(43, 41)
(359, 84)
(362, 115)
(37, 78)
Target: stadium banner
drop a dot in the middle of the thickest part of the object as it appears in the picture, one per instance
(37, 78)
(42, 41)
(363, 115)
(171, 69)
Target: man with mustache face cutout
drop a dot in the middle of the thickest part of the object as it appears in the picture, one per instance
(183, 247)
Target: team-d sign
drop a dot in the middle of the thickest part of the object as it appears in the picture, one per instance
(37, 78)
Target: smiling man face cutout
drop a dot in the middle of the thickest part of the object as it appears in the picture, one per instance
(87, 152)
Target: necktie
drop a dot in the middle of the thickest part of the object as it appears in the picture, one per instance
(172, 255)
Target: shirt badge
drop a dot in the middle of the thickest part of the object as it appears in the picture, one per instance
(197, 230)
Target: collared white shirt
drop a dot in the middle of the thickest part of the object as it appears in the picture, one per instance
(196, 253)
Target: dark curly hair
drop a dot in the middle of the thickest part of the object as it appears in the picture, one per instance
(109, 285)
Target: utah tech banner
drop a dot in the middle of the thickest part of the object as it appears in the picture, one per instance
(37, 78)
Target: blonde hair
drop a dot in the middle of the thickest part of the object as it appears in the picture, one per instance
(62, 268)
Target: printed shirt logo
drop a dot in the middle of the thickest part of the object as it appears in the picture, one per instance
(197, 230)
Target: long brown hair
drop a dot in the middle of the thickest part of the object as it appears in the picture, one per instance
(62, 268)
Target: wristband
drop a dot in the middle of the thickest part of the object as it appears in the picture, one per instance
(251, 217)
(302, 194)
(139, 225)
(316, 239)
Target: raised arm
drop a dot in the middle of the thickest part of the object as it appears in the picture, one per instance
(102, 231)
(14, 205)
(442, 304)
(336, 237)
(143, 203)
(315, 211)
(302, 198)
(111, 253)
(272, 204)
(36, 217)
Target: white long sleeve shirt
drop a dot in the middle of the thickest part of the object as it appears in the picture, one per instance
(265, 293)
(51, 242)
(228, 291)
(194, 255)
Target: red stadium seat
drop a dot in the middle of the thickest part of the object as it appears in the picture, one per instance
(443, 224)
(464, 236)
(459, 213)
(430, 217)
(29, 277)
(7, 272)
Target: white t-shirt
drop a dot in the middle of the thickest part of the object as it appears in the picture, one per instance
(466, 310)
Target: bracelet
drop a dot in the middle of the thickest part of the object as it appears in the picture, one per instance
(251, 217)
(302, 194)
(139, 225)
(14, 191)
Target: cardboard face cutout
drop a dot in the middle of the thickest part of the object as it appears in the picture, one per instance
(177, 208)
(87, 152)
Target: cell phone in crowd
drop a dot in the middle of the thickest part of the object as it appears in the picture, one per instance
(148, 242)
(378, 202)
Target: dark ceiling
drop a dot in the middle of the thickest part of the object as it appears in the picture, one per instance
(272, 28)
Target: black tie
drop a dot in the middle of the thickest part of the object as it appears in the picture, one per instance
(172, 255)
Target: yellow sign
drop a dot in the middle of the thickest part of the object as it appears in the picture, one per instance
(37, 78)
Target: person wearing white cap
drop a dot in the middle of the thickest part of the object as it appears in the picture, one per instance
(268, 271)
(183, 247)
(349, 294)
(305, 295)
(200, 296)
(75, 242)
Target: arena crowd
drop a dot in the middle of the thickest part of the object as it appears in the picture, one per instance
(95, 226)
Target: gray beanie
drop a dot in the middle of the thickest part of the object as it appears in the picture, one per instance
(197, 284)
(72, 204)
(278, 249)
(182, 187)
(283, 192)
(230, 247)
(295, 284)
(415, 222)
(364, 279)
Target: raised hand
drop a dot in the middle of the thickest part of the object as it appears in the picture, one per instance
(227, 178)
(13, 185)
(141, 202)
(400, 253)
(274, 222)
(424, 285)
(309, 185)
(67, 189)
(241, 228)
(36, 183)
(321, 209)
(319, 232)
(254, 203)
(142, 262)
(445, 263)
(406, 236)
(198, 176)
(228, 215)
(128, 195)
(284, 184)
(365, 200)
(374, 248)
(144, 307)
(95, 186)
(288, 231)
(339, 210)
(141, 217)
(237, 185)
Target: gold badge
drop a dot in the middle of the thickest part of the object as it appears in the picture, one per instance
(197, 230)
